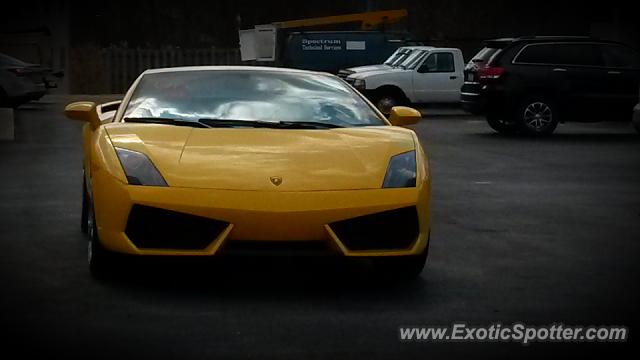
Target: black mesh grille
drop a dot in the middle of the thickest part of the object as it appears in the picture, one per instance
(153, 228)
(395, 229)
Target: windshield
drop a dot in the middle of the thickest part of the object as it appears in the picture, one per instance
(6, 60)
(249, 95)
(412, 60)
(393, 57)
(403, 57)
(398, 56)
(483, 57)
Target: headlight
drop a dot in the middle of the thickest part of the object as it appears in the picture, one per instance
(359, 84)
(401, 171)
(139, 169)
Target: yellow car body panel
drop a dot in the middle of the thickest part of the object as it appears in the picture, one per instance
(254, 215)
(245, 159)
(227, 174)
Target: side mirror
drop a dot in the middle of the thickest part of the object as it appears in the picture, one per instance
(83, 111)
(403, 115)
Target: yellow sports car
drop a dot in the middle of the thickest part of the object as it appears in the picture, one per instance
(203, 161)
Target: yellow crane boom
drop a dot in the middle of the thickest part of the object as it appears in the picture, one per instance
(367, 20)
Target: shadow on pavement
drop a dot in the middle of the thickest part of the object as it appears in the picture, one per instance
(255, 277)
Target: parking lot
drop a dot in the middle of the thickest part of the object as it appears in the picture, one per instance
(532, 230)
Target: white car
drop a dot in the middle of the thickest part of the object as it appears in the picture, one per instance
(397, 58)
(428, 75)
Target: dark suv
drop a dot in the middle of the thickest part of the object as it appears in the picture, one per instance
(530, 84)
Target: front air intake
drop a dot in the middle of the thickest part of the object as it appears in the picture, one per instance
(154, 228)
(389, 230)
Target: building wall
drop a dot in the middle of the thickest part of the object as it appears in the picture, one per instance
(465, 24)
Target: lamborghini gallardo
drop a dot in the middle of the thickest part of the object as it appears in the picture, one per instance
(221, 161)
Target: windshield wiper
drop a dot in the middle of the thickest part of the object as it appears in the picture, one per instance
(230, 123)
(307, 125)
(268, 124)
(165, 121)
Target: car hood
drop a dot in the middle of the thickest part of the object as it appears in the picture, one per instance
(385, 71)
(253, 159)
(359, 69)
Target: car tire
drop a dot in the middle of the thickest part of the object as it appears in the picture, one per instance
(84, 216)
(385, 101)
(501, 125)
(401, 267)
(537, 116)
(99, 258)
(386, 97)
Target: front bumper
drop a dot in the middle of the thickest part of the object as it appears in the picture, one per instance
(263, 216)
(472, 98)
(483, 99)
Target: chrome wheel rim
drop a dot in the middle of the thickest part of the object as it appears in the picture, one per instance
(538, 115)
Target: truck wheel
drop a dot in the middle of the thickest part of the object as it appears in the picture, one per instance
(537, 115)
(384, 102)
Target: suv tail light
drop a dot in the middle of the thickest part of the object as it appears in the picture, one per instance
(490, 72)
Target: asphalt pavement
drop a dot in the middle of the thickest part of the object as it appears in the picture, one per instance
(537, 231)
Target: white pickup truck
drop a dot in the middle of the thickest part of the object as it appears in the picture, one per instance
(428, 75)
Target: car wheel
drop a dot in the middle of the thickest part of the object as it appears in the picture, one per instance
(98, 257)
(537, 116)
(385, 102)
(401, 267)
(84, 216)
(501, 125)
